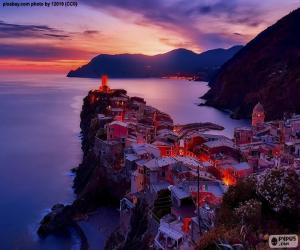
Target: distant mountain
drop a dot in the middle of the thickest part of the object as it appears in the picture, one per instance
(267, 70)
(178, 62)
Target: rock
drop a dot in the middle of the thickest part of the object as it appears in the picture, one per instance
(266, 70)
(57, 207)
(57, 221)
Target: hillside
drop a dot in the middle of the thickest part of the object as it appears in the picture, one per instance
(180, 62)
(267, 69)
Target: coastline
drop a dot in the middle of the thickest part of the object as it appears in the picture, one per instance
(93, 184)
(90, 196)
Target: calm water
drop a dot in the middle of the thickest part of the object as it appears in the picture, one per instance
(39, 143)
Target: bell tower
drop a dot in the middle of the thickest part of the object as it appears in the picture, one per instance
(258, 115)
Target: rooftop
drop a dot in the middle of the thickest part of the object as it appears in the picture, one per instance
(145, 148)
(221, 142)
(169, 231)
(241, 166)
(165, 132)
(119, 98)
(213, 187)
(186, 160)
(122, 124)
(160, 186)
(159, 162)
(131, 157)
(103, 117)
(258, 108)
(116, 109)
(243, 129)
(180, 193)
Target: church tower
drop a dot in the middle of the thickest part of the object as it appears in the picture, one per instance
(258, 115)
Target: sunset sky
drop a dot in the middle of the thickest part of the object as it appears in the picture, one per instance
(61, 38)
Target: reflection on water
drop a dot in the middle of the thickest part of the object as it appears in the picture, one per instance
(39, 143)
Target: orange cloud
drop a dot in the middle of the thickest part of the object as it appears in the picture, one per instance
(59, 66)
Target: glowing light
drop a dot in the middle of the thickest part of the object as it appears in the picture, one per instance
(228, 178)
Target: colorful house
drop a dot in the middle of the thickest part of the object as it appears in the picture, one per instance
(243, 135)
(164, 147)
(117, 130)
(231, 173)
(219, 145)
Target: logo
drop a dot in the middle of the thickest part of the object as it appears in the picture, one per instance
(283, 241)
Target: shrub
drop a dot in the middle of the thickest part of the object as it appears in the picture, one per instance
(279, 187)
(209, 240)
(249, 212)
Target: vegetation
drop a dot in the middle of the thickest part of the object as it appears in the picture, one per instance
(257, 206)
(210, 239)
(249, 212)
(278, 187)
(162, 204)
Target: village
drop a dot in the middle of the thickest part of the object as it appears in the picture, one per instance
(182, 171)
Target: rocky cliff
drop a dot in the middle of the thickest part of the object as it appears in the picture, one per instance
(93, 184)
(267, 70)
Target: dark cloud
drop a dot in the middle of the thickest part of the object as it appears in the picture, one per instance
(183, 16)
(9, 30)
(232, 12)
(218, 39)
(91, 32)
(41, 52)
(205, 9)
(57, 35)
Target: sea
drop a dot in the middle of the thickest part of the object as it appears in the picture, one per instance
(40, 143)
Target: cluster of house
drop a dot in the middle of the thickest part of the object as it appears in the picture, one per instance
(190, 169)
(269, 144)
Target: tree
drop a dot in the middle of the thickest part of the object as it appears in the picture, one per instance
(279, 187)
(211, 239)
(162, 204)
(249, 212)
(243, 191)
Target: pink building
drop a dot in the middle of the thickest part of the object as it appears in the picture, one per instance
(117, 130)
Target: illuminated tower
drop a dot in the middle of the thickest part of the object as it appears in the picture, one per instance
(104, 84)
(258, 115)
